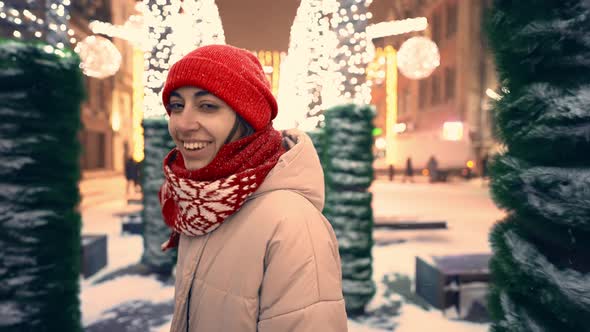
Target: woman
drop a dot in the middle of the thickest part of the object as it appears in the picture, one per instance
(254, 251)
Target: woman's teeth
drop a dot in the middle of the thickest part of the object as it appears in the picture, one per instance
(195, 146)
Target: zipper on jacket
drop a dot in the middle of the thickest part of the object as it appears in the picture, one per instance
(188, 307)
(188, 300)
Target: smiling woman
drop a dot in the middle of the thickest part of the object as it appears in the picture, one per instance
(244, 204)
(200, 124)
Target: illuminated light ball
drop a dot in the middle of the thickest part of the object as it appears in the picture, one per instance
(418, 57)
(99, 57)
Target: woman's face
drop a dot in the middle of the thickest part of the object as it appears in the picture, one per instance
(199, 125)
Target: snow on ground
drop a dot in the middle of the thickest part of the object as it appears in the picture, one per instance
(122, 250)
(414, 319)
(97, 300)
(465, 206)
(356, 327)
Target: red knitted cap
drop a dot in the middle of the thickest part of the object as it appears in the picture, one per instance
(232, 74)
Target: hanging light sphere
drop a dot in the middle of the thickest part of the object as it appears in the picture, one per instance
(418, 57)
(99, 57)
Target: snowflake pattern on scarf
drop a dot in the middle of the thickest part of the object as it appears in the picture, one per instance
(201, 206)
(196, 202)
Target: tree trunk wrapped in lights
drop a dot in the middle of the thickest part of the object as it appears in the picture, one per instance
(349, 173)
(303, 73)
(40, 94)
(540, 267)
(352, 53)
(156, 136)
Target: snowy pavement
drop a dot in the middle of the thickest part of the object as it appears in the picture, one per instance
(136, 302)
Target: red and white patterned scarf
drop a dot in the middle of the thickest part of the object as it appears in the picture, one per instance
(196, 202)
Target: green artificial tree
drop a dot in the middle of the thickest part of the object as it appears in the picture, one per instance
(540, 266)
(317, 137)
(40, 94)
(155, 233)
(348, 174)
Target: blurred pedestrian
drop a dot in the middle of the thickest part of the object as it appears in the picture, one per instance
(432, 167)
(131, 172)
(244, 202)
(484, 166)
(409, 172)
(391, 172)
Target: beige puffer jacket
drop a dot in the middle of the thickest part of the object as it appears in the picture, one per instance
(271, 267)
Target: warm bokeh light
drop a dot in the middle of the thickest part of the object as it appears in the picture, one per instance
(453, 131)
(99, 57)
(397, 27)
(418, 57)
(137, 115)
(175, 29)
(391, 102)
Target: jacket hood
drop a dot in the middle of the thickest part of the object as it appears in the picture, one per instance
(298, 170)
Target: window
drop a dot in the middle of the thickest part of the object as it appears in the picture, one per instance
(451, 20)
(403, 102)
(449, 83)
(435, 96)
(422, 93)
(436, 28)
(93, 150)
(88, 86)
(104, 94)
(101, 96)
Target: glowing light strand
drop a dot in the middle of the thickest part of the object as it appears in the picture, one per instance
(174, 28)
(352, 54)
(52, 28)
(397, 27)
(303, 73)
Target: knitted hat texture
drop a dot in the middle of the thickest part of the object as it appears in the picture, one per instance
(232, 74)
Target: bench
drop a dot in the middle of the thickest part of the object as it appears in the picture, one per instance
(94, 254)
(441, 279)
(382, 222)
(132, 224)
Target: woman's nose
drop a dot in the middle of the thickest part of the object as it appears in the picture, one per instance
(190, 119)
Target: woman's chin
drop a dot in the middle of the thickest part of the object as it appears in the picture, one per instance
(195, 159)
(192, 164)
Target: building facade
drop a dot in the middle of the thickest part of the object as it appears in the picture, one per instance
(107, 113)
(455, 93)
(108, 110)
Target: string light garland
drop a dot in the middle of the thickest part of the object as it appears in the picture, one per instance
(397, 27)
(174, 27)
(352, 54)
(52, 27)
(326, 64)
(133, 30)
(271, 63)
(376, 68)
(303, 73)
(137, 115)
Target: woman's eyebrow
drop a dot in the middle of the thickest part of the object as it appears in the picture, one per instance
(201, 93)
(175, 94)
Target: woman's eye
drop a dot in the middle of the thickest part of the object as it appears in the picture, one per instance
(209, 107)
(174, 107)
